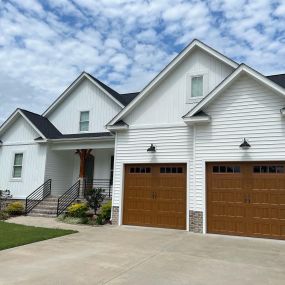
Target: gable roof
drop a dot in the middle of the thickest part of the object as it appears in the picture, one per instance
(121, 99)
(186, 51)
(278, 79)
(228, 80)
(124, 98)
(40, 124)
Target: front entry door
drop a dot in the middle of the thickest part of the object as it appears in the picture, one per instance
(89, 168)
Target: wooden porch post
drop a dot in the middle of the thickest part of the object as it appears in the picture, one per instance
(83, 155)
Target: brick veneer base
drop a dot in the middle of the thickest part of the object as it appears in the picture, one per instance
(115, 215)
(196, 221)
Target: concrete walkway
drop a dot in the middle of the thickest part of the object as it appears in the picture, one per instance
(133, 255)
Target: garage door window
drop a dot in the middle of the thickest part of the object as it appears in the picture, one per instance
(226, 169)
(171, 170)
(268, 169)
(140, 170)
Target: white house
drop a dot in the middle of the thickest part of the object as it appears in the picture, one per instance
(200, 148)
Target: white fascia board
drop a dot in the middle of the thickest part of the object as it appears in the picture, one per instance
(197, 120)
(72, 86)
(64, 140)
(9, 122)
(117, 128)
(166, 70)
(228, 80)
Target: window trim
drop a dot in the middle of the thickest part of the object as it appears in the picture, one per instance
(189, 76)
(84, 121)
(17, 179)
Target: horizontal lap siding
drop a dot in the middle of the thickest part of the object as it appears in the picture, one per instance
(247, 109)
(172, 145)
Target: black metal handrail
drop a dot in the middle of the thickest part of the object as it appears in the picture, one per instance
(38, 195)
(68, 197)
(104, 184)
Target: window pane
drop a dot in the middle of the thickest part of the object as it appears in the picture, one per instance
(84, 116)
(179, 170)
(147, 170)
(84, 126)
(280, 169)
(264, 169)
(272, 169)
(197, 86)
(17, 171)
(215, 169)
(222, 169)
(18, 159)
(162, 169)
(230, 169)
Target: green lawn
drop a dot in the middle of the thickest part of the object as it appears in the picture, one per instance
(12, 235)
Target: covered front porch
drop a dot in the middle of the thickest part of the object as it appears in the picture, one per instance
(77, 162)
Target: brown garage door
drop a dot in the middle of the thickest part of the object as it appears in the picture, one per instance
(155, 195)
(246, 199)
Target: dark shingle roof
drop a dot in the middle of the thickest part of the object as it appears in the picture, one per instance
(86, 135)
(125, 98)
(42, 124)
(51, 132)
(278, 79)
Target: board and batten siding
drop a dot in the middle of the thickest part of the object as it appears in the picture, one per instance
(60, 169)
(166, 104)
(19, 138)
(248, 110)
(172, 145)
(85, 97)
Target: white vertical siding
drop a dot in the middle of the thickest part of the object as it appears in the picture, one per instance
(172, 145)
(60, 169)
(19, 138)
(86, 97)
(167, 102)
(246, 109)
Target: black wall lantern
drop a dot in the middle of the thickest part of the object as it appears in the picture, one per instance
(245, 144)
(151, 148)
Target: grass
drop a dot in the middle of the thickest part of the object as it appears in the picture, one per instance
(12, 235)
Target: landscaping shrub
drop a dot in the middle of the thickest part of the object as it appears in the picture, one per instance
(15, 209)
(4, 215)
(94, 198)
(106, 211)
(78, 210)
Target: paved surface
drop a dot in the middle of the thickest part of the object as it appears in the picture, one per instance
(132, 255)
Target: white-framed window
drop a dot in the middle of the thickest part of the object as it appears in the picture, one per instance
(196, 86)
(18, 165)
(84, 121)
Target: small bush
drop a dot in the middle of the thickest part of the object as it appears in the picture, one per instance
(106, 211)
(4, 216)
(99, 220)
(78, 210)
(94, 198)
(15, 209)
(72, 220)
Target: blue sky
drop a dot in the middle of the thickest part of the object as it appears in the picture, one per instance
(46, 44)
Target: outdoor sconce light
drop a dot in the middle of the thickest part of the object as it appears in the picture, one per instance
(151, 148)
(245, 144)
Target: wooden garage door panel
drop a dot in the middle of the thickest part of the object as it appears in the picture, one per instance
(157, 198)
(248, 202)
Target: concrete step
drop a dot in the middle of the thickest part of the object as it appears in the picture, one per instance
(42, 215)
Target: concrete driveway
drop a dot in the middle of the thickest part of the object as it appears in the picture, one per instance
(133, 255)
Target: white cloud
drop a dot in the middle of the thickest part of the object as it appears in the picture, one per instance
(44, 45)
